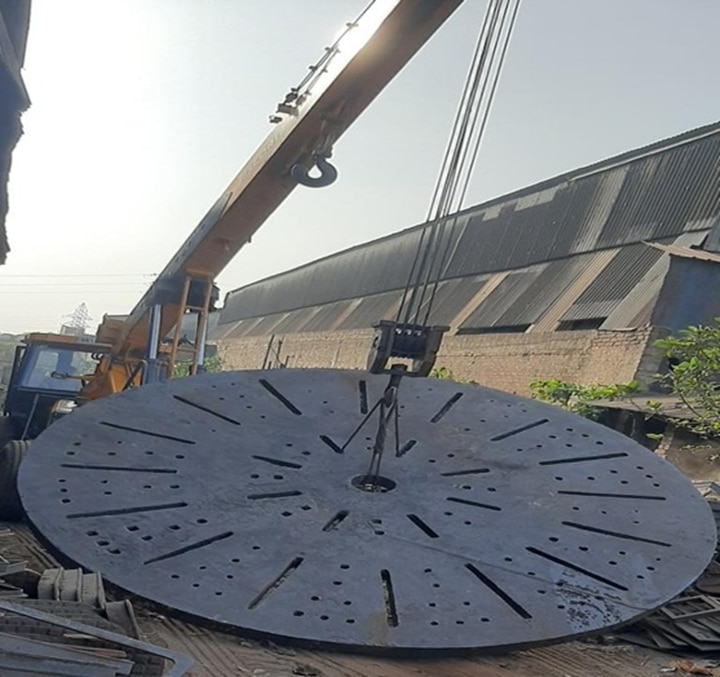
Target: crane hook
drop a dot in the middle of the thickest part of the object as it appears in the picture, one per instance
(328, 173)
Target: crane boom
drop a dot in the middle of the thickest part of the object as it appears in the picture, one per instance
(382, 42)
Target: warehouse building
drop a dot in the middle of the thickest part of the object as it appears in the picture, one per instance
(572, 278)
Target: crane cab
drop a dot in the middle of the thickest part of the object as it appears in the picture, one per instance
(49, 371)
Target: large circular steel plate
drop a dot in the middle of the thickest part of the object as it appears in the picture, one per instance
(505, 523)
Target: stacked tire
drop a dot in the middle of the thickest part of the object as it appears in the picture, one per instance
(11, 454)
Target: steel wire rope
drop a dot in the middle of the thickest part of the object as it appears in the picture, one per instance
(432, 256)
(459, 160)
(422, 248)
(504, 41)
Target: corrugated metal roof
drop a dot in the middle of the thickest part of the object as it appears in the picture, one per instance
(614, 283)
(371, 309)
(294, 321)
(326, 317)
(544, 291)
(451, 297)
(488, 313)
(543, 236)
(635, 310)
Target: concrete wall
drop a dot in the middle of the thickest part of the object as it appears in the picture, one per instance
(504, 361)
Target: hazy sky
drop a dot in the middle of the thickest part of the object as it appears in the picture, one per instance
(143, 110)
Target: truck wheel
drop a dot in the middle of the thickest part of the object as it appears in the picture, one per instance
(7, 430)
(10, 456)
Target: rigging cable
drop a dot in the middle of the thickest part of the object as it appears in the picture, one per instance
(435, 244)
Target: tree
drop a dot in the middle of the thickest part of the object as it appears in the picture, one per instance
(212, 365)
(694, 376)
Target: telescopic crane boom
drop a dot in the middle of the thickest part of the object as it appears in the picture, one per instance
(313, 116)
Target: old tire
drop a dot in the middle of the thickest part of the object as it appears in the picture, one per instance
(10, 457)
(7, 430)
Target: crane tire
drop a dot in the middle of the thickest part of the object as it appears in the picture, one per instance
(10, 457)
(7, 430)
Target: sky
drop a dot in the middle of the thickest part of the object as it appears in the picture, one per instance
(144, 110)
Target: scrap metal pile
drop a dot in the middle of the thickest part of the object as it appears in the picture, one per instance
(61, 623)
(692, 620)
(267, 502)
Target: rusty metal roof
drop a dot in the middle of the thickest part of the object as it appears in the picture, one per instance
(545, 237)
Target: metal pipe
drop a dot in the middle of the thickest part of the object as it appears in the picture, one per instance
(155, 321)
(150, 375)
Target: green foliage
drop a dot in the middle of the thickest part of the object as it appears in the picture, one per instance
(444, 374)
(695, 375)
(213, 365)
(579, 398)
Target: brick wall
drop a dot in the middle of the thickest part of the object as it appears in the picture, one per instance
(504, 361)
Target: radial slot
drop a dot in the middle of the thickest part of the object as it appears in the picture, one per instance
(336, 520)
(582, 459)
(271, 587)
(391, 614)
(277, 461)
(128, 511)
(422, 525)
(118, 468)
(474, 504)
(406, 447)
(497, 590)
(599, 494)
(517, 431)
(277, 394)
(149, 433)
(207, 410)
(446, 407)
(616, 534)
(335, 447)
(460, 473)
(188, 548)
(575, 567)
(268, 528)
(362, 391)
(275, 494)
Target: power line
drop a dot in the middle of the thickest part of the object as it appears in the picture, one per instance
(77, 275)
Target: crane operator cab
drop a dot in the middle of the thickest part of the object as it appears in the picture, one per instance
(49, 371)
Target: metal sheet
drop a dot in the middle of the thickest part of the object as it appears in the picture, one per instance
(489, 312)
(180, 662)
(614, 283)
(635, 310)
(370, 310)
(507, 523)
(544, 291)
